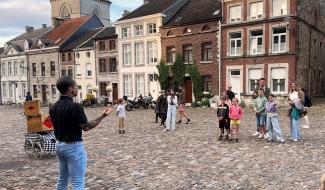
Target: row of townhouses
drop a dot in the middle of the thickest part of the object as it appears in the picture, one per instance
(231, 41)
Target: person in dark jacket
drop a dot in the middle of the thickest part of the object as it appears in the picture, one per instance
(162, 107)
(229, 92)
(28, 97)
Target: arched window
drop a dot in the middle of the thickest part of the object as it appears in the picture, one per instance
(187, 31)
(206, 28)
(65, 13)
(170, 33)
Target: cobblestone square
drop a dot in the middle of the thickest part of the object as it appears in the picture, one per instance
(191, 158)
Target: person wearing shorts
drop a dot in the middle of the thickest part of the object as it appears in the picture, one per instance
(235, 114)
(259, 109)
(223, 118)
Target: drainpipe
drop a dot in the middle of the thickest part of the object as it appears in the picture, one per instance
(219, 44)
(0, 85)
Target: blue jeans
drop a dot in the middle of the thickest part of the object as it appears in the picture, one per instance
(261, 120)
(273, 128)
(72, 164)
(295, 128)
(171, 117)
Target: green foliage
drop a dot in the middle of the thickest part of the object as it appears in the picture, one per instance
(205, 102)
(178, 72)
(162, 75)
(90, 97)
(197, 81)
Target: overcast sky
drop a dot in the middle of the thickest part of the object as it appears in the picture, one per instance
(16, 14)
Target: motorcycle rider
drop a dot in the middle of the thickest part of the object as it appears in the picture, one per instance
(162, 107)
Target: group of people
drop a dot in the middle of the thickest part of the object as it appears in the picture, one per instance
(265, 108)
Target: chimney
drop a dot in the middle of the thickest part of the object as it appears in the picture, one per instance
(125, 12)
(145, 1)
(29, 28)
(44, 25)
(57, 22)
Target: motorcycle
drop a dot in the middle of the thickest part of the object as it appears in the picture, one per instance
(152, 103)
(136, 103)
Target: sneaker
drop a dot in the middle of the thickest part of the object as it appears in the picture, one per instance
(305, 126)
(256, 134)
(123, 131)
(267, 135)
(236, 140)
(166, 130)
(220, 138)
(188, 121)
(227, 137)
(295, 140)
(119, 132)
(269, 140)
(161, 126)
(282, 141)
(260, 136)
(231, 139)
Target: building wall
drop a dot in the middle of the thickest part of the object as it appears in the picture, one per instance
(48, 80)
(195, 38)
(67, 64)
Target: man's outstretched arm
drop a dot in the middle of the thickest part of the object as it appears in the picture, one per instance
(92, 124)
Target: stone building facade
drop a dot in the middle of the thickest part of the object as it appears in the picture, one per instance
(268, 39)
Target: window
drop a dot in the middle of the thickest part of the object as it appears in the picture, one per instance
(11, 89)
(127, 83)
(77, 55)
(88, 70)
(35, 91)
(206, 28)
(34, 69)
(63, 57)
(139, 85)
(101, 46)
(139, 57)
(206, 51)
(103, 91)
(126, 32)
(256, 42)
(279, 40)
(69, 57)
(9, 68)
(64, 72)
(138, 30)
(112, 65)
(102, 66)
(78, 70)
(22, 67)
(279, 7)
(88, 54)
(112, 45)
(256, 10)
(4, 90)
(15, 68)
(23, 89)
(152, 52)
(89, 89)
(152, 28)
(170, 33)
(253, 76)
(188, 53)
(4, 69)
(235, 44)
(278, 76)
(171, 54)
(52, 63)
(43, 69)
(53, 87)
(126, 54)
(70, 73)
(235, 13)
(187, 31)
(207, 83)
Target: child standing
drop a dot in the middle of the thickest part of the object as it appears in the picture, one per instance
(259, 108)
(272, 121)
(223, 118)
(235, 114)
(121, 116)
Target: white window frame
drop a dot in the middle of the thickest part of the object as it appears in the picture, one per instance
(139, 53)
(4, 68)
(78, 71)
(127, 54)
(88, 68)
(22, 67)
(23, 89)
(152, 28)
(256, 10)
(127, 85)
(280, 47)
(237, 50)
(140, 84)
(53, 91)
(126, 32)
(11, 88)
(10, 71)
(278, 91)
(4, 90)
(138, 30)
(255, 78)
(235, 14)
(152, 52)
(15, 68)
(283, 10)
(253, 42)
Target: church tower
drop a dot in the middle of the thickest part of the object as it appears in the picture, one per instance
(69, 9)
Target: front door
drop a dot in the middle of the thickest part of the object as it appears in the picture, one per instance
(115, 93)
(188, 90)
(235, 81)
(44, 99)
(153, 86)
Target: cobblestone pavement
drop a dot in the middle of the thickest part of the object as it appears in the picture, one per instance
(191, 158)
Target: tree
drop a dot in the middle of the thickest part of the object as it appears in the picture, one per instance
(178, 72)
(196, 81)
(162, 75)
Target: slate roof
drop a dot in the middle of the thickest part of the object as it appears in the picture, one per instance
(33, 34)
(195, 11)
(2, 49)
(107, 32)
(150, 8)
(87, 36)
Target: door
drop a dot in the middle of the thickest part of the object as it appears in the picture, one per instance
(115, 93)
(44, 98)
(235, 81)
(17, 94)
(153, 86)
(188, 90)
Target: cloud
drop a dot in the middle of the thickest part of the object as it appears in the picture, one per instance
(16, 14)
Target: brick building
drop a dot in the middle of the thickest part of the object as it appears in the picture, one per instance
(107, 64)
(193, 33)
(280, 40)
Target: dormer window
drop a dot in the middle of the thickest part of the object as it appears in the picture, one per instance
(187, 31)
(170, 33)
(206, 28)
(27, 45)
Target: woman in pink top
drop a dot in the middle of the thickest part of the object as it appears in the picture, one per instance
(235, 114)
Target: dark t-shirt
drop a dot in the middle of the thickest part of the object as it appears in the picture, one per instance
(223, 111)
(28, 98)
(66, 117)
